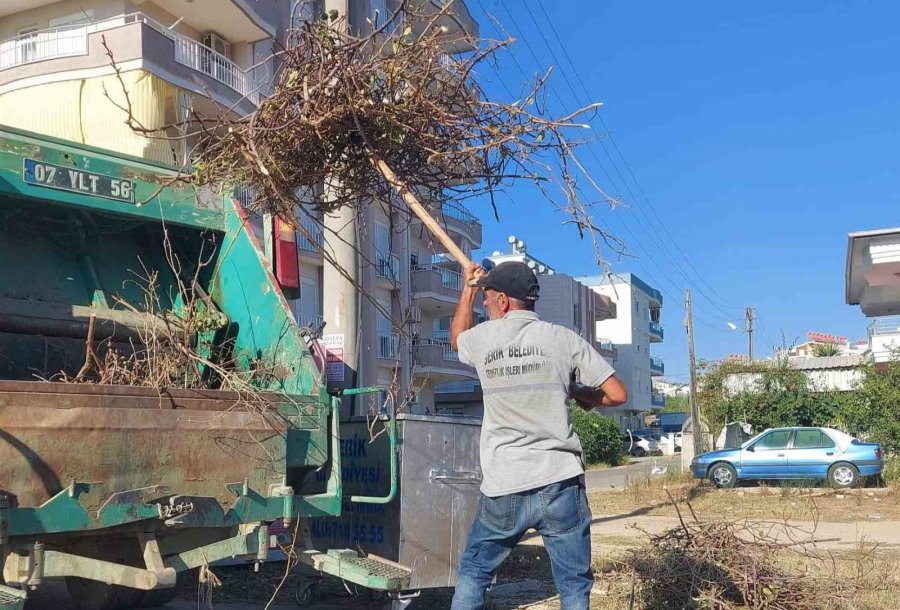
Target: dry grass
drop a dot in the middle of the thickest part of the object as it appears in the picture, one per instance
(647, 496)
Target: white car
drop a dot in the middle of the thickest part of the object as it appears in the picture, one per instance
(639, 446)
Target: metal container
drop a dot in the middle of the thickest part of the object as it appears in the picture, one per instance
(426, 525)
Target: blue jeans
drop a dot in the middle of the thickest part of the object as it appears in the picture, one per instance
(560, 514)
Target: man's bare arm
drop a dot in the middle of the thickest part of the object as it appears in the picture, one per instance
(462, 317)
(610, 393)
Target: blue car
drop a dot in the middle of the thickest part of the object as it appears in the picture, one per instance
(822, 454)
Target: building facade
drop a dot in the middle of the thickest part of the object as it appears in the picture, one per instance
(563, 301)
(634, 329)
(384, 305)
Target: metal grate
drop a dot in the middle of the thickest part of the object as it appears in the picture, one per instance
(11, 598)
(375, 568)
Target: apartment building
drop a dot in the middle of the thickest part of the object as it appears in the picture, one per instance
(634, 329)
(385, 310)
(872, 280)
(564, 301)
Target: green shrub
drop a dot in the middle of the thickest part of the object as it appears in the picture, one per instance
(892, 469)
(601, 438)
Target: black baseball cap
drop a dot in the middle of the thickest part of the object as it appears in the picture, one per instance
(512, 278)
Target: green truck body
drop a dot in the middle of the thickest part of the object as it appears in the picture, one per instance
(119, 488)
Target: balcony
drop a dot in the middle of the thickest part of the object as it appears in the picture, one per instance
(657, 367)
(137, 42)
(607, 349)
(389, 347)
(315, 241)
(457, 219)
(884, 339)
(435, 360)
(656, 332)
(388, 267)
(657, 400)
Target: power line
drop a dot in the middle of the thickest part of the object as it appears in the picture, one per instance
(615, 144)
(618, 150)
(618, 172)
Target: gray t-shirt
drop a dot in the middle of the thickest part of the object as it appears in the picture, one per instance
(525, 366)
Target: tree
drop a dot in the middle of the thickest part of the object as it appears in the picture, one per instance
(678, 403)
(825, 350)
(765, 395)
(875, 410)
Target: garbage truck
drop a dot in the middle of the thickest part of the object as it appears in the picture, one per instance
(121, 488)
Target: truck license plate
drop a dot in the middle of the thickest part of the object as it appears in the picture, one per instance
(78, 181)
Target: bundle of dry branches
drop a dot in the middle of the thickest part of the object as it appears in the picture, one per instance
(344, 107)
(724, 565)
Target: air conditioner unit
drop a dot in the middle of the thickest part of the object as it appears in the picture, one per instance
(217, 44)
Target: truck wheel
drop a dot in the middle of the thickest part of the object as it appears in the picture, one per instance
(95, 595)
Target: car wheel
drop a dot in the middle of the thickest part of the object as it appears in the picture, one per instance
(638, 452)
(723, 475)
(843, 475)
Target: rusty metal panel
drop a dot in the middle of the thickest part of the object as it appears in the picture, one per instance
(121, 438)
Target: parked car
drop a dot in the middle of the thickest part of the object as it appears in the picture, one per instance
(793, 453)
(639, 446)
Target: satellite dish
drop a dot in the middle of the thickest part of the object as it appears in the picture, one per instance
(511, 239)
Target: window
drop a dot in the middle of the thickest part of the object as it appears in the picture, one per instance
(773, 440)
(576, 315)
(812, 439)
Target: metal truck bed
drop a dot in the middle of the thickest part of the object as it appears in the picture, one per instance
(122, 437)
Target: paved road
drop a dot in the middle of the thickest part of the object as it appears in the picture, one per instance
(616, 478)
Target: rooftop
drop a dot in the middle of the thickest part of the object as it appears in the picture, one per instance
(622, 278)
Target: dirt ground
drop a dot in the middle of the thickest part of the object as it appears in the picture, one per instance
(868, 567)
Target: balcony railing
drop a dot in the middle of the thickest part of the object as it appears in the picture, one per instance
(316, 239)
(457, 387)
(443, 336)
(387, 266)
(72, 40)
(44, 44)
(605, 345)
(449, 279)
(656, 364)
(889, 325)
(656, 329)
(193, 54)
(458, 211)
(311, 320)
(389, 347)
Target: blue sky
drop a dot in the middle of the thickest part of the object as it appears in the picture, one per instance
(761, 134)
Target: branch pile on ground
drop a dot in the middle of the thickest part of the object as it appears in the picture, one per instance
(342, 104)
(724, 565)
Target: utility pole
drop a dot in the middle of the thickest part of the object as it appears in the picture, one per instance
(695, 410)
(749, 317)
